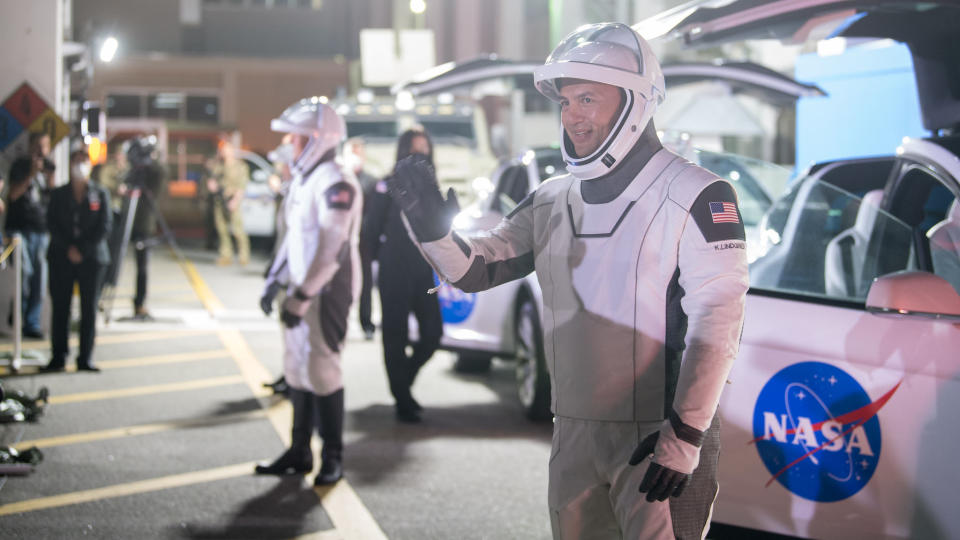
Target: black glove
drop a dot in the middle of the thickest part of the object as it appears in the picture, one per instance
(660, 482)
(415, 189)
(290, 320)
(269, 294)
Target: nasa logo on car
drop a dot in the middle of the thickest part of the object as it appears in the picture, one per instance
(455, 305)
(817, 431)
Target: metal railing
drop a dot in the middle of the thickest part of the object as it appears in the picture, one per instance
(15, 250)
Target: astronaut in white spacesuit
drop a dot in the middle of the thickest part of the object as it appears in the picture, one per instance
(641, 258)
(318, 261)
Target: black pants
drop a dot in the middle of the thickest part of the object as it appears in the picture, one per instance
(142, 252)
(63, 275)
(401, 294)
(366, 289)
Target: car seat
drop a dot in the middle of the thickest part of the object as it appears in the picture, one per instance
(945, 246)
(846, 252)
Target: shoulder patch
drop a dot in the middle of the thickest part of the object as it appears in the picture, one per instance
(717, 215)
(340, 196)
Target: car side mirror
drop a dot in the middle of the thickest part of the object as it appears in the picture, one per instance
(914, 294)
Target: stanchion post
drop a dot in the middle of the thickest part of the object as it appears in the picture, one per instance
(17, 359)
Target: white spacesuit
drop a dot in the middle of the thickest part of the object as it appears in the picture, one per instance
(641, 258)
(319, 261)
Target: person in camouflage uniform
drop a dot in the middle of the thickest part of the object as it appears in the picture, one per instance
(227, 182)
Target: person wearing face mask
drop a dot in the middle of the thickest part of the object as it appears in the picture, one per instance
(318, 260)
(79, 220)
(403, 281)
(641, 258)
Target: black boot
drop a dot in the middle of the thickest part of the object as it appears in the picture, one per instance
(331, 431)
(298, 459)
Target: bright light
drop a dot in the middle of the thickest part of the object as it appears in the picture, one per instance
(734, 175)
(831, 47)
(445, 98)
(109, 49)
(462, 221)
(365, 95)
(418, 6)
(482, 185)
(405, 101)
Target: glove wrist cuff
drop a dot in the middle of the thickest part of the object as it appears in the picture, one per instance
(300, 295)
(686, 432)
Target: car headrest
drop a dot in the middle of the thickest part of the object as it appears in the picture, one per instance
(867, 214)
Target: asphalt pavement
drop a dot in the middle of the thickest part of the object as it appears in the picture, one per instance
(162, 442)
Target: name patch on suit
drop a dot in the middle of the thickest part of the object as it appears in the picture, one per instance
(340, 196)
(718, 217)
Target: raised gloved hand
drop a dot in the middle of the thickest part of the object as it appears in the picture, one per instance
(414, 188)
(674, 458)
(294, 308)
(269, 294)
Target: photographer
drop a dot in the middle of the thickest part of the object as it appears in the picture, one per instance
(144, 178)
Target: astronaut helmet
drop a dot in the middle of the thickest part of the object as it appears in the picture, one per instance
(313, 118)
(614, 54)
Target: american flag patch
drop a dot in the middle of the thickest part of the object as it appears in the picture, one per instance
(724, 212)
(342, 196)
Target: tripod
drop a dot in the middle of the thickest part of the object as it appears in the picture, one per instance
(118, 252)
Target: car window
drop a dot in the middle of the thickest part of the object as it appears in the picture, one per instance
(825, 242)
(756, 181)
(511, 189)
(944, 238)
(257, 173)
(923, 200)
(550, 163)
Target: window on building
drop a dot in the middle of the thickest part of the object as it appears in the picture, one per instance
(203, 109)
(124, 106)
(166, 105)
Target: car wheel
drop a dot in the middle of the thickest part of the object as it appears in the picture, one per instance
(533, 381)
(472, 363)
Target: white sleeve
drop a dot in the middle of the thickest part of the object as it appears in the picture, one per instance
(336, 206)
(484, 260)
(713, 273)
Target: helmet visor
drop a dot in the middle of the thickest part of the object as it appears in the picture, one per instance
(606, 52)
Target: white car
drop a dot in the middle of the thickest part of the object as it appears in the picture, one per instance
(838, 421)
(259, 207)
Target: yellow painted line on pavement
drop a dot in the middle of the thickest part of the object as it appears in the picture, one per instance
(159, 359)
(349, 515)
(150, 389)
(143, 429)
(132, 488)
(174, 358)
(210, 300)
(111, 339)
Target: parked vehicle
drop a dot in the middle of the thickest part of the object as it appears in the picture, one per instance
(838, 420)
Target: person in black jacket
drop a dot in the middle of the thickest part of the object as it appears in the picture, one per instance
(79, 219)
(403, 280)
(26, 216)
(354, 152)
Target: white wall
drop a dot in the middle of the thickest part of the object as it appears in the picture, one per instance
(31, 38)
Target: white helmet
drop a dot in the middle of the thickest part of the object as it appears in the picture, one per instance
(318, 121)
(614, 54)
